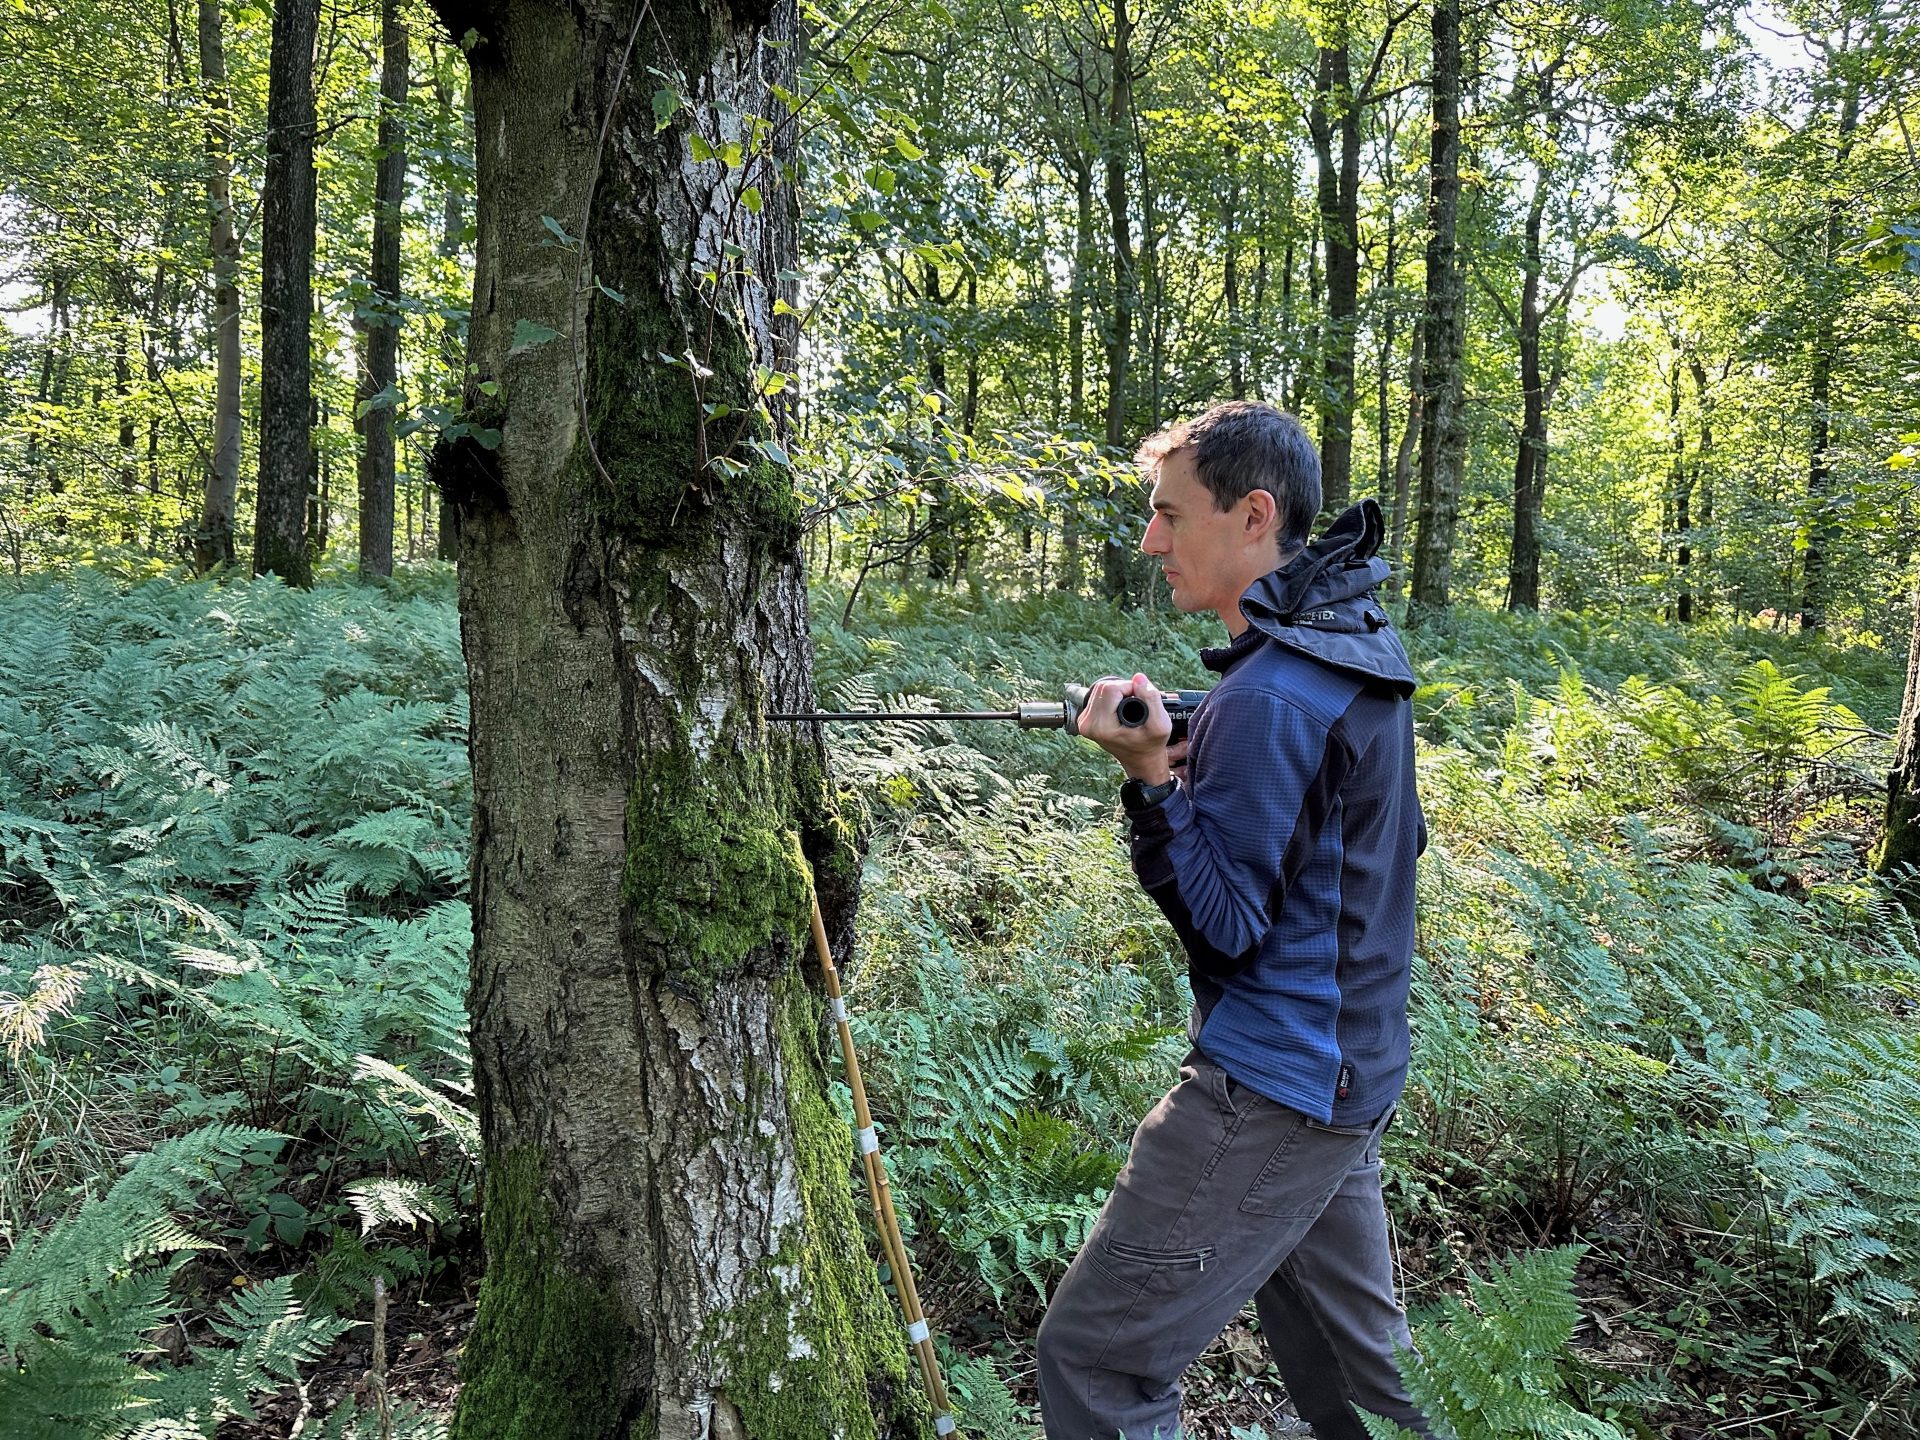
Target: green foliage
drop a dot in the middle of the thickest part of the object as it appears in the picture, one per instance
(1657, 1008)
(80, 1297)
(1493, 1369)
(232, 955)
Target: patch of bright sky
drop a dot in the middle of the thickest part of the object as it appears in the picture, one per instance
(1779, 47)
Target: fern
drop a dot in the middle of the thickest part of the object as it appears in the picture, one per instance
(1496, 1367)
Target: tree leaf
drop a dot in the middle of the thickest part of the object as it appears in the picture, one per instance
(529, 333)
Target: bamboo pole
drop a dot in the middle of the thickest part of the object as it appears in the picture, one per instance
(886, 1220)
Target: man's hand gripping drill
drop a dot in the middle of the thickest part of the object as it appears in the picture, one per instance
(1144, 747)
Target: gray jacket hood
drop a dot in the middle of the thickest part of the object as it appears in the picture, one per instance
(1322, 602)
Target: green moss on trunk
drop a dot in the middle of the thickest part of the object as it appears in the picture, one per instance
(815, 1349)
(651, 424)
(549, 1344)
(714, 872)
(1898, 854)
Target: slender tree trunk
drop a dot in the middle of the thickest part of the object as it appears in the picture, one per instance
(1898, 853)
(1403, 465)
(1822, 529)
(1680, 491)
(1290, 359)
(1118, 152)
(673, 1249)
(1389, 326)
(970, 402)
(286, 300)
(213, 537)
(453, 224)
(1230, 278)
(1703, 470)
(1530, 457)
(1117, 567)
(129, 475)
(1442, 428)
(382, 323)
(56, 364)
(1333, 109)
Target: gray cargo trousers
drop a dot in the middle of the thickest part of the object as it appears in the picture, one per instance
(1227, 1195)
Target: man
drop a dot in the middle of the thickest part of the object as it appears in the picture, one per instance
(1284, 858)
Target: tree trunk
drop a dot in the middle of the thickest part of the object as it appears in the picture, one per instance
(1116, 556)
(1389, 327)
(213, 539)
(1230, 280)
(1442, 428)
(453, 224)
(1703, 472)
(381, 322)
(1898, 853)
(1339, 198)
(286, 300)
(1118, 151)
(672, 1244)
(1530, 456)
(1680, 488)
(1403, 466)
(1822, 529)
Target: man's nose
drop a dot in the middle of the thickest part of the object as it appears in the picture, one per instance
(1153, 542)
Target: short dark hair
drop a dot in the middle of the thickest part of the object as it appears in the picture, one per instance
(1242, 446)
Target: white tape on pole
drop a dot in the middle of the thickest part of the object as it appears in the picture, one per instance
(943, 1425)
(869, 1142)
(917, 1331)
(837, 1007)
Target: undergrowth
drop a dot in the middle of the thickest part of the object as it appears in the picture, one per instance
(1660, 1014)
(232, 849)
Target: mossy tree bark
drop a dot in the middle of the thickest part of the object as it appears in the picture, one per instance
(673, 1248)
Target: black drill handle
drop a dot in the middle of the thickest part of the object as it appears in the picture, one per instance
(1133, 711)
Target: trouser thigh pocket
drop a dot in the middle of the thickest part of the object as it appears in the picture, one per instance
(1178, 1299)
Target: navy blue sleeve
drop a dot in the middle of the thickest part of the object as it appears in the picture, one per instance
(1212, 855)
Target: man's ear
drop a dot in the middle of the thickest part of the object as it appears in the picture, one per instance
(1263, 515)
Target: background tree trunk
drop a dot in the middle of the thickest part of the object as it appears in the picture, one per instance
(1822, 529)
(382, 323)
(287, 218)
(1899, 848)
(1442, 432)
(213, 540)
(1530, 456)
(1333, 110)
(672, 1243)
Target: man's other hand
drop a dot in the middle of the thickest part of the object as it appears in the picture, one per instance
(1142, 750)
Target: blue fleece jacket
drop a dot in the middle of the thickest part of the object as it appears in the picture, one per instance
(1285, 860)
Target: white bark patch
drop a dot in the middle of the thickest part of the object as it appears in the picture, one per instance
(712, 714)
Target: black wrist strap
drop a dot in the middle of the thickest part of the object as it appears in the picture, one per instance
(1136, 796)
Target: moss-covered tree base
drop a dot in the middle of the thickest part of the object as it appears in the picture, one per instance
(549, 1345)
